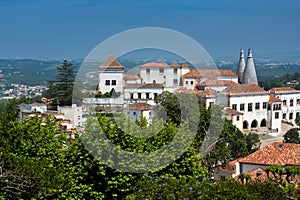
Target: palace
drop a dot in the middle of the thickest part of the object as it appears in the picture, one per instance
(247, 105)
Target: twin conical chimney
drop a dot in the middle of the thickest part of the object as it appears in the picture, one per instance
(248, 75)
(241, 67)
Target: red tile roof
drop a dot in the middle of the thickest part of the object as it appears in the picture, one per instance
(229, 167)
(155, 64)
(217, 83)
(147, 85)
(276, 153)
(229, 111)
(207, 92)
(274, 99)
(111, 62)
(240, 89)
(186, 65)
(283, 90)
(131, 76)
(174, 65)
(139, 106)
(209, 73)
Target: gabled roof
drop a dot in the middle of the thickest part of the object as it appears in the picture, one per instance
(139, 106)
(111, 62)
(131, 76)
(279, 90)
(229, 111)
(209, 73)
(241, 89)
(207, 92)
(276, 153)
(217, 83)
(229, 167)
(174, 65)
(147, 85)
(155, 65)
(274, 99)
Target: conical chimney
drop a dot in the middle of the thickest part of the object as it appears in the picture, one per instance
(250, 73)
(241, 67)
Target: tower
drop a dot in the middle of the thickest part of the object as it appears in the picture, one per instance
(249, 72)
(241, 67)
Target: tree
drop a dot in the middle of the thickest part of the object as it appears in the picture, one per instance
(292, 136)
(297, 120)
(61, 89)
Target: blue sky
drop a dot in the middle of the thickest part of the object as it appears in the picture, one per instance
(55, 29)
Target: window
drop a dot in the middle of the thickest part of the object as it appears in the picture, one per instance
(175, 81)
(113, 82)
(242, 107)
(237, 118)
(186, 82)
(284, 102)
(276, 115)
(155, 95)
(234, 106)
(148, 71)
(139, 95)
(264, 105)
(291, 102)
(134, 113)
(298, 102)
(257, 105)
(131, 96)
(147, 95)
(276, 107)
(175, 71)
(161, 70)
(283, 116)
(291, 116)
(249, 107)
(107, 82)
(192, 82)
(211, 104)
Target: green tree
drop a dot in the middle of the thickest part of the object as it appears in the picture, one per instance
(61, 88)
(297, 120)
(292, 136)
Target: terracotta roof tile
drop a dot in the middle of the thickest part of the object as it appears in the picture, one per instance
(155, 64)
(209, 73)
(217, 83)
(174, 65)
(111, 62)
(274, 99)
(139, 106)
(186, 65)
(229, 167)
(240, 89)
(147, 85)
(283, 90)
(276, 153)
(131, 76)
(229, 111)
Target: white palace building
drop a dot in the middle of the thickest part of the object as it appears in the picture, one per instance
(247, 105)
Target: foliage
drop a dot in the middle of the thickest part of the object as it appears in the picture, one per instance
(297, 120)
(61, 88)
(280, 81)
(292, 136)
(111, 94)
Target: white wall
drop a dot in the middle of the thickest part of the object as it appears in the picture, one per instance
(72, 113)
(118, 76)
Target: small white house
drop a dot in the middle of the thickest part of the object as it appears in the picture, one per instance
(137, 111)
(72, 113)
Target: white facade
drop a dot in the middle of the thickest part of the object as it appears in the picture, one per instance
(72, 113)
(111, 79)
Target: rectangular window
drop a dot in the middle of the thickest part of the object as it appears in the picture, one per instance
(175, 71)
(192, 82)
(161, 70)
(186, 82)
(175, 81)
(291, 102)
(242, 107)
(147, 95)
(291, 116)
(264, 105)
(276, 115)
(155, 95)
(139, 95)
(107, 82)
(148, 71)
(113, 82)
(249, 107)
(284, 102)
(298, 102)
(237, 118)
(131, 95)
(234, 106)
(283, 116)
(257, 105)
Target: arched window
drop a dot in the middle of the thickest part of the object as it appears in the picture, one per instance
(263, 123)
(245, 125)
